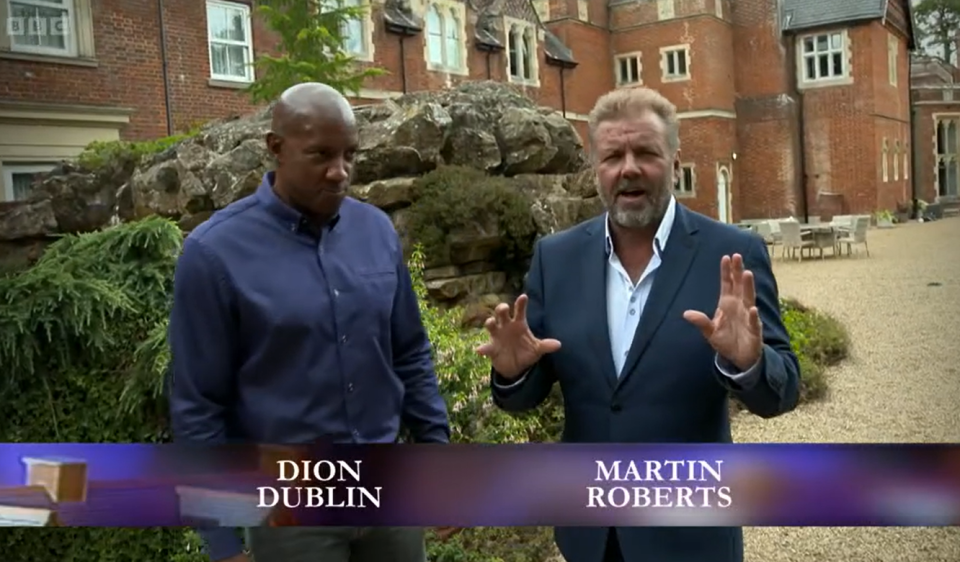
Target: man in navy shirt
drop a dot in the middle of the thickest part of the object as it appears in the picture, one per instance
(295, 321)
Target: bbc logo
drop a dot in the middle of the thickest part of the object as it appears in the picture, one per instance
(37, 26)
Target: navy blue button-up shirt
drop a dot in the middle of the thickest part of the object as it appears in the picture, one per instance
(280, 334)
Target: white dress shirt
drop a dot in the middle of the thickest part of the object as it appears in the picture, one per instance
(625, 302)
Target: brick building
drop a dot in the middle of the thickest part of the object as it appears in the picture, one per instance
(781, 101)
(936, 122)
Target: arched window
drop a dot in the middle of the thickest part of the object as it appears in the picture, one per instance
(529, 54)
(434, 35)
(353, 39)
(515, 52)
(452, 35)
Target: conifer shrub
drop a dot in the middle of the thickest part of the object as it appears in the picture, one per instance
(70, 328)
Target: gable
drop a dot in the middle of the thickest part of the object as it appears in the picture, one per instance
(797, 15)
(806, 14)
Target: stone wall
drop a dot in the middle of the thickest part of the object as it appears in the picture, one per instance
(483, 125)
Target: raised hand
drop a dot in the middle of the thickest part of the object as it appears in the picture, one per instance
(513, 348)
(734, 332)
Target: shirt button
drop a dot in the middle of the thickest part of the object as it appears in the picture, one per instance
(633, 311)
(350, 387)
(343, 339)
(336, 293)
(633, 299)
(356, 434)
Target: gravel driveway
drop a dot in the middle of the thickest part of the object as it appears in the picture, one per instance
(901, 384)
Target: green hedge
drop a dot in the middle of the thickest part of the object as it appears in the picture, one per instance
(819, 340)
(82, 340)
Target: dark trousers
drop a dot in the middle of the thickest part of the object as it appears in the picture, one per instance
(337, 544)
(612, 553)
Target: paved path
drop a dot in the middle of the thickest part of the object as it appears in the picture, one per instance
(902, 383)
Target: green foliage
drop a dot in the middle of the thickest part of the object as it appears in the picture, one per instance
(465, 384)
(465, 379)
(100, 545)
(311, 48)
(68, 329)
(86, 299)
(937, 25)
(818, 340)
(453, 199)
(496, 544)
(883, 215)
(98, 154)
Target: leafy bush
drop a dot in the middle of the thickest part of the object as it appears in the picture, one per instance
(465, 384)
(455, 199)
(819, 341)
(99, 155)
(310, 47)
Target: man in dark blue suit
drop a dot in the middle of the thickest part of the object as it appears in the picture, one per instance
(649, 317)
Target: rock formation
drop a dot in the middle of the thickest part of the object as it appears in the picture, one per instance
(483, 125)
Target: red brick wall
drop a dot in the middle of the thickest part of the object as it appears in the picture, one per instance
(593, 76)
(193, 99)
(707, 143)
(739, 99)
(129, 71)
(766, 169)
(845, 127)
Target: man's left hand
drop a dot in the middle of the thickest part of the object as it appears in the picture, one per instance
(444, 533)
(734, 332)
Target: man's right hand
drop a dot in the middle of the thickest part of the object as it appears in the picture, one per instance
(513, 348)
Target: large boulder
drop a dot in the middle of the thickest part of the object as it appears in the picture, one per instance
(484, 125)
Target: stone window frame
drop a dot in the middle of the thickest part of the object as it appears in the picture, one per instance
(844, 50)
(946, 128)
(529, 37)
(618, 59)
(80, 47)
(247, 43)
(674, 50)
(447, 10)
(366, 31)
(11, 168)
(893, 58)
(683, 187)
(885, 161)
(366, 27)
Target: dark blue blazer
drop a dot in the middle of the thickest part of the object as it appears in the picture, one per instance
(670, 390)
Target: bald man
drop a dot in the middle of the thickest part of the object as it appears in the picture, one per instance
(294, 321)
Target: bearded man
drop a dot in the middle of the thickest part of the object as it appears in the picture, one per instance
(649, 316)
